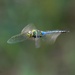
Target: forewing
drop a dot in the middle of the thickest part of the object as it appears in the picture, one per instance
(17, 38)
(27, 28)
(51, 38)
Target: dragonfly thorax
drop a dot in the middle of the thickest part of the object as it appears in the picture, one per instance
(34, 33)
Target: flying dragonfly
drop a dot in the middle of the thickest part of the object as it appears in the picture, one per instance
(30, 32)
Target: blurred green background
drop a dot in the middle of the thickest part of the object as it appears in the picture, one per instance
(23, 58)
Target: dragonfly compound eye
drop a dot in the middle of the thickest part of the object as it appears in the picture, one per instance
(29, 34)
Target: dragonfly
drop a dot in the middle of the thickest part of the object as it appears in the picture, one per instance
(31, 32)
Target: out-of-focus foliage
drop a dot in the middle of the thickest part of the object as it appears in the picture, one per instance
(23, 58)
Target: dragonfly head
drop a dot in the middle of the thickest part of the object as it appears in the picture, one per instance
(29, 34)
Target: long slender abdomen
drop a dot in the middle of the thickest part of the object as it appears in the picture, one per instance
(54, 31)
(57, 31)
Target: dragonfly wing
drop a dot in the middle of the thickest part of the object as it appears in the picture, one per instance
(51, 38)
(27, 28)
(37, 42)
(17, 38)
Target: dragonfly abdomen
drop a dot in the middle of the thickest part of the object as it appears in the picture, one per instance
(56, 31)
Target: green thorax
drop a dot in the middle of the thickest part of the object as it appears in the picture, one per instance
(37, 32)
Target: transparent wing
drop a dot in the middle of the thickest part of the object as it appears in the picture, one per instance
(17, 38)
(27, 28)
(51, 38)
(37, 41)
